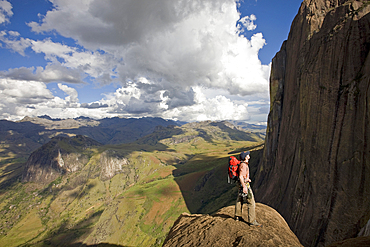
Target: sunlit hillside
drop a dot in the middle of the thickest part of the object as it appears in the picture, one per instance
(128, 194)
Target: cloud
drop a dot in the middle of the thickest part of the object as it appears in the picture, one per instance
(19, 97)
(14, 33)
(133, 100)
(14, 43)
(177, 44)
(32, 98)
(52, 73)
(163, 55)
(65, 63)
(216, 108)
(203, 108)
(72, 93)
(24, 91)
(94, 105)
(248, 22)
(5, 11)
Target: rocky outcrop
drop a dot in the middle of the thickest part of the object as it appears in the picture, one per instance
(221, 229)
(59, 156)
(111, 164)
(316, 164)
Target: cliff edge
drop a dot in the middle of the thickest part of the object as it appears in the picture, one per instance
(220, 229)
(316, 164)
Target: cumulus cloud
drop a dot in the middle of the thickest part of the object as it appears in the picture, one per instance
(14, 43)
(32, 98)
(93, 105)
(24, 91)
(65, 63)
(5, 11)
(51, 73)
(93, 63)
(162, 53)
(72, 93)
(17, 97)
(248, 22)
(215, 108)
(177, 44)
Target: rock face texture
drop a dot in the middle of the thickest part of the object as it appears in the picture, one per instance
(112, 164)
(59, 156)
(316, 164)
(221, 229)
(352, 242)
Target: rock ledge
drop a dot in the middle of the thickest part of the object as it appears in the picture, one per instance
(220, 229)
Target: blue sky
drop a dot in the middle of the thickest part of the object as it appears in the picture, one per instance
(183, 60)
(274, 19)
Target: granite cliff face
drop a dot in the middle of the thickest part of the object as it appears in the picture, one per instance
(316, 164)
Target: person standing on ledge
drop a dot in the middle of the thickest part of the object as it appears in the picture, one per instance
(245, 194)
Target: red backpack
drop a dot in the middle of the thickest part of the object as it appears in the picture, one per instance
(233, 170)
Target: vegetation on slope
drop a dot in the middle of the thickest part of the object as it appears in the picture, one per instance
(173, 170)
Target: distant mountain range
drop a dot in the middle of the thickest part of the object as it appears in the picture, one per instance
(250, 127)
(106, 131)
(22, 137)
(19, 139)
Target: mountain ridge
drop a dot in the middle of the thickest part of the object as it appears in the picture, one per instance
(20, 139)
(59, 156)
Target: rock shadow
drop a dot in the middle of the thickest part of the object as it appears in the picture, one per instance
(65, 235)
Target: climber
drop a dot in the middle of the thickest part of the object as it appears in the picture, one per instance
(245, 194)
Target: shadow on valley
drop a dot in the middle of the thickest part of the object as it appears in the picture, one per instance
(66, 235)
(18, 141)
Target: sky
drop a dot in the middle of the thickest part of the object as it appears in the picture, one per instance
(186, 60)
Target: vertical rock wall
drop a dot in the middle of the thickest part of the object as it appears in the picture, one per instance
(316, 165)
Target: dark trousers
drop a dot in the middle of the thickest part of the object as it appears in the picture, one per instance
(245, 207)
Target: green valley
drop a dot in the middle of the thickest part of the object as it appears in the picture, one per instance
(126, 194)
